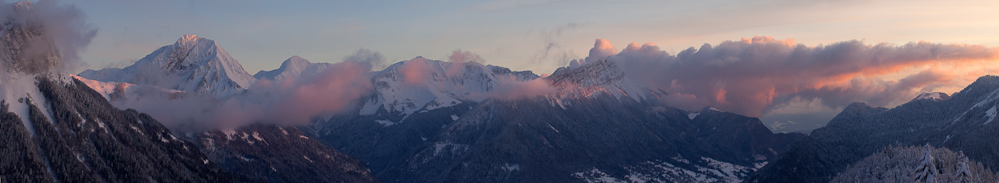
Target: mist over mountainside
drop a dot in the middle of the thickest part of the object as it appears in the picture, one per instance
(962, 122)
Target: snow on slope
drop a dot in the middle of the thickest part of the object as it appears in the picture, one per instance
(934, 96)
(192, 64)
(117, 91)
(438, 88)
(293, 67)
(26, 54)
(679, 171)
(600, 77)
(17, 90)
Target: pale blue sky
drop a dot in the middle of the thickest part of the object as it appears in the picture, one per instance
(512, 33)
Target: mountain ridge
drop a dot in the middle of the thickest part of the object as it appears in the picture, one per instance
(517, 139)
(960, 123)
(294, 66)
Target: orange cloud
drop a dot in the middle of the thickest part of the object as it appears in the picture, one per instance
(761, 72)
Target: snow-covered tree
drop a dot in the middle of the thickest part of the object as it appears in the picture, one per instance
(964, 174)
(927, 170)
(916, 164)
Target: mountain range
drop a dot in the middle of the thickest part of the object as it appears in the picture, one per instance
(266, 153)
(425, 120)
(595, 125)
(962, 122)
(590, 124)
(57, 128)
(434, 121)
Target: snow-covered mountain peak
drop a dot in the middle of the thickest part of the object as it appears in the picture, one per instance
(191, 50)
(294, 64)
(934, 96)
(188, 38)
(420, 84)
(192, 64)
(598, 73)
(293, 67)
(602, 76)
(294, 61)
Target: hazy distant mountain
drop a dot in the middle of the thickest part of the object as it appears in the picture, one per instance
(192, 64)
(293, 67)
(598, 125)
(962, 122)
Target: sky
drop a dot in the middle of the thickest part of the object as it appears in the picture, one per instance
(537, 35)
(541, 36)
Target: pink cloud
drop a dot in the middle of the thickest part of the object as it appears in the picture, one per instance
(413, 72)
(751, 76)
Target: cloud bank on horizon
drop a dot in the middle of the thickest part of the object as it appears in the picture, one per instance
(761, 75)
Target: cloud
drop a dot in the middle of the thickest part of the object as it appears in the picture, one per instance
(753, 76)
(552, 49)
(459, 59)
(66, 25)
(45, 28)
(414, 72)
(367, 56)
(459, 56)
(293, 101)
